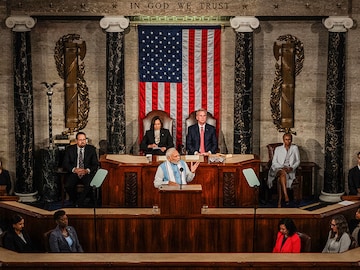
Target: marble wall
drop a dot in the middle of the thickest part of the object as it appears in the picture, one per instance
(309, 94)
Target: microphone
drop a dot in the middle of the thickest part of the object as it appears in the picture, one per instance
(181, 170)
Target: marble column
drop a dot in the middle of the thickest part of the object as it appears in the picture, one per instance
(115, 84)
(23, 102)
(335, 109)
(243, 90)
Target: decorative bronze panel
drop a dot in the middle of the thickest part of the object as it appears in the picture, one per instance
(70, 50)
(291, 54)
(229, 189)
(131, 187)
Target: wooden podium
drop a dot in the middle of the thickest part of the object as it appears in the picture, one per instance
(184, 201)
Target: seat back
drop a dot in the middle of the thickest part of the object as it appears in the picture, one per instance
(2, 236)
(45, 241)
(305, 242)
(353, 243)
(164, 116)
(191, 120)
(271, 148)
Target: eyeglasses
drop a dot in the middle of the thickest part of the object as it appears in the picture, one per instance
(332, 224)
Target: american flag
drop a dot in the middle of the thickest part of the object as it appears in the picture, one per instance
(179, 72)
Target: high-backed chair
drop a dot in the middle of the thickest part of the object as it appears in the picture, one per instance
(305, 242)
(297, 183)
(164, 116)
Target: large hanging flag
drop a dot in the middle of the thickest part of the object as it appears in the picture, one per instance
(179, 72)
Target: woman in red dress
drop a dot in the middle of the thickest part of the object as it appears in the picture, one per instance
(287, 241)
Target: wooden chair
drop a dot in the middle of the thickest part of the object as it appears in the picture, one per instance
(164, 116)
(45, 241)
(297, 183)
(305, 242)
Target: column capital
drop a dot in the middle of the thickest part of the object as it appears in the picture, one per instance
(338, 23)
(244, 23)
(20, 23)
(114, 23)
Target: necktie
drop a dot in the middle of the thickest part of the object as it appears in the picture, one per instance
(81, 159)
(202, 141)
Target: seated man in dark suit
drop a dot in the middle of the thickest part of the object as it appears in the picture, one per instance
(81, 164)
(5, 179)
(201, 138)
(354, 178)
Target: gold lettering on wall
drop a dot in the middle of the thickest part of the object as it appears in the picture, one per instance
(179, 5)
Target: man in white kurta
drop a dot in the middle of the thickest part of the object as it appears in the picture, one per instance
(284, 164)
(174, 171)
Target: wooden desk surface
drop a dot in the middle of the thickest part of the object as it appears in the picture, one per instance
(325, 211)
(346, 260)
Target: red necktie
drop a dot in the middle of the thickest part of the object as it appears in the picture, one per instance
(202, 141)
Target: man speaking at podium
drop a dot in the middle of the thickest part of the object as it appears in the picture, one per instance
(174, 171)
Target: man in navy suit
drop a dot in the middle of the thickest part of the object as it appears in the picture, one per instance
(81, 164)
(193, 138)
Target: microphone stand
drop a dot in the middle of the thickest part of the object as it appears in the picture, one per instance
(181, 180)
(256, 188)
(95, 203)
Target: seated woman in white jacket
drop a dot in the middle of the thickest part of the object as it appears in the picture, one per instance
(284, 164)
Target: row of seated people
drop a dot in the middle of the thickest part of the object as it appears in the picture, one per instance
(64, 239)
(200, 136)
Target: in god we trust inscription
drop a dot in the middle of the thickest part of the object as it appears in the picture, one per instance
(179, 5)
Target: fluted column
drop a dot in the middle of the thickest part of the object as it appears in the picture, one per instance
(335, 112)
(115, 85)
(23, 101)
(243, 90)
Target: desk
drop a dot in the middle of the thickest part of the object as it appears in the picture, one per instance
(184, 201)
(214, 230)
(223, 184)
(191, 261)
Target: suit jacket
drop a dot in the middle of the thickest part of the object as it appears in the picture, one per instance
(193, 139)
(90, 158)
(13, 242)
(58, 243)
(354, 180)
(166, 140)
(291, 245)
(5, 180)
